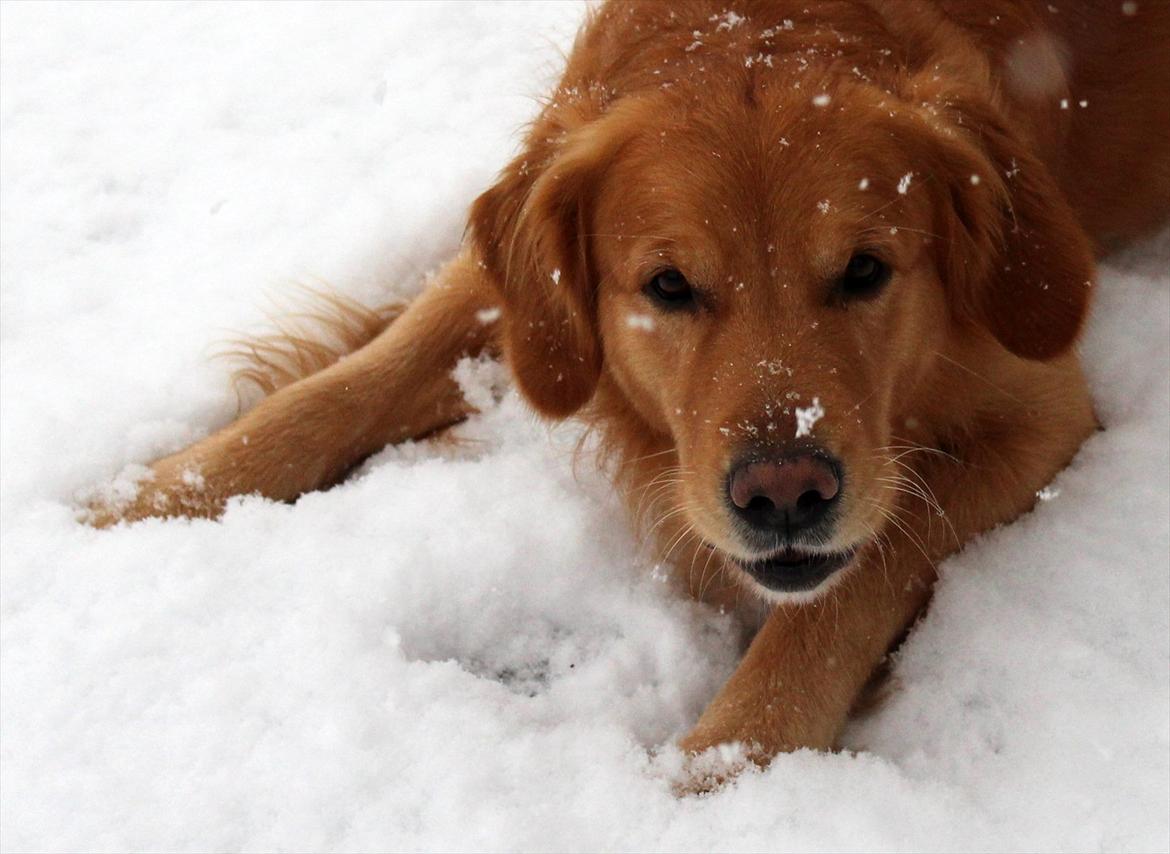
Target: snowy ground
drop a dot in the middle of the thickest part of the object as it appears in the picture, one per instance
(461, 648)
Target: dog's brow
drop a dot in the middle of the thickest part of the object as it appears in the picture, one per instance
(625, 235)
(912, 188)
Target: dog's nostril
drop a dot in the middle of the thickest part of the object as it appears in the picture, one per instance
(809, 500)
(760, 504)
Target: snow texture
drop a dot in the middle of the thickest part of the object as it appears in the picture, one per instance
(463, 646)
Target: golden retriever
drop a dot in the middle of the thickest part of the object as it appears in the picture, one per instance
(814, 270)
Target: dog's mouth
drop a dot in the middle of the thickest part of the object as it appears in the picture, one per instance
(795, 570)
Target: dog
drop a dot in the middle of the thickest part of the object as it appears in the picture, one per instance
(815, 272)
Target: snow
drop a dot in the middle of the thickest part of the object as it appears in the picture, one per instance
(807, 417)
(488, 316)
(463, 646)
(729, 20)
(645, 322)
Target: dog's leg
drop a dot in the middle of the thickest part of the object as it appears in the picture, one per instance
(308, 434)
(803, 672)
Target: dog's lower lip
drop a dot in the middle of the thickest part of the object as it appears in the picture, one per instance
(795, 570)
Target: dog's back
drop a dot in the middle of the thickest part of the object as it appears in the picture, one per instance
(1093, 79)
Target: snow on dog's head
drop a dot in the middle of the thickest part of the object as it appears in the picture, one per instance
(797, 273)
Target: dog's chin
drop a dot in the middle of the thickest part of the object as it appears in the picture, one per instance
(795, 574)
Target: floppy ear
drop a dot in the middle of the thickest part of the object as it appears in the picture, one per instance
(532, 232)
(1016, 260)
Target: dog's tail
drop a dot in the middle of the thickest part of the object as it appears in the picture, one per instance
(322, 327)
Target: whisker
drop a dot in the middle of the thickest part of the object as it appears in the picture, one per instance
(907, 532)
(979, 376)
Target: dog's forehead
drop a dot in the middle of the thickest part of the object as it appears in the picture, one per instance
(786, 194)
(789, 163)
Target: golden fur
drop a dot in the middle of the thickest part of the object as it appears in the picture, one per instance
(326, 327)
(755, 150)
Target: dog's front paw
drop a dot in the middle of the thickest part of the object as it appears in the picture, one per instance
(170, 487)
(117, 500)
(711, 763)
(709, 768)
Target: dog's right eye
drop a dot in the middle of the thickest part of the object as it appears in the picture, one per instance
(670, 289)
(863, 278)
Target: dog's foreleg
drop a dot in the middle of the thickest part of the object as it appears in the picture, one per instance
(308, 434)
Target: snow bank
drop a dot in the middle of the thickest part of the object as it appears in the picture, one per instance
(462, 647)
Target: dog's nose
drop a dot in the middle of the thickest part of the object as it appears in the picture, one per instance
(785, 495)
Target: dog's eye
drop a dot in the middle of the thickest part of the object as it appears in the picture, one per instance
(864, 276)
(670, 289)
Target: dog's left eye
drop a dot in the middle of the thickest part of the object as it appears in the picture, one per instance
(863, 278)
(670, 289)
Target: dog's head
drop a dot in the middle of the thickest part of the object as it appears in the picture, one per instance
(766, 280)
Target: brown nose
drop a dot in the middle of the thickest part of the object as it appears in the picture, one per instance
(785, 495)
